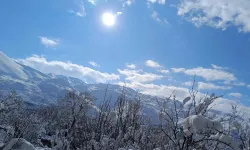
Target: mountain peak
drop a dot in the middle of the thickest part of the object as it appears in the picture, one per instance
(10, 68)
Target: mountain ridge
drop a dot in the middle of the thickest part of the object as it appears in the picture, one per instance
(39, 88)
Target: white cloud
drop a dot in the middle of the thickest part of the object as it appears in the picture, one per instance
(118, 13)
(164, 71)
(162, 2)
(158, 90)
(218, 67)
(152, 64)
(127, 3)
(218, 14)
(131, 66)
(92, 2)
(94, 64)
(227, 82)
(155, 16)
(80, 11)
(234, 83)
(178, 70)
(189, 83)
(220, 104)
(48, 42)
(236, 95)
(248, 86)
(207, 73)
(239, 84)
(210, 86)
(224, 105)
(67, 69)
(166, 21)
(139, 76)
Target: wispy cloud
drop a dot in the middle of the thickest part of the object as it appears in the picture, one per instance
(152, 64)
(239, 84)
(155, 16)
(235, 83)
(67, 69)
(131, 66)
(218, 67)
(118, 13)
(48, 42)
(236, 95)
(188, 83)
(162, 2)
(127, 3)
(94, 64)
(79, 10)
(166, 21)
(164, 71)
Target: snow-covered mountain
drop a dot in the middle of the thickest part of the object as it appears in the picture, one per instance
(38, 88)
(11, 69)
(35, 87)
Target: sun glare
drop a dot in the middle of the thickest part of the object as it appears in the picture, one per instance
(108, 19)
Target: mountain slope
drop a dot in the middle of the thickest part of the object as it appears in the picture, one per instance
(12, 69)
(9, 68)
(35, 87)
(38, 88)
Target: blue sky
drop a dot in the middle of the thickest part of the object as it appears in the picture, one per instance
(168, 42)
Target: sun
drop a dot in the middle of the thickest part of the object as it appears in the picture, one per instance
(108, 19)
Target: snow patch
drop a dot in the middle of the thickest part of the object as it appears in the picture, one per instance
(199, 124)
(19, 144)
